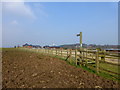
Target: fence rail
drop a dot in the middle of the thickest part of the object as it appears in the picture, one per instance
(90, 58)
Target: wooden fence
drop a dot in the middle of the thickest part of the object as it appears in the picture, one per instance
(94, 59)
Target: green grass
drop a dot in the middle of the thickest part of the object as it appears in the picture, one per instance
(109, 76)
(101, 73)
(110, 67)
(9, 49)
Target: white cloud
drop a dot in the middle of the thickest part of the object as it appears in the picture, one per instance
(14, 22)
(39, 9)
(19, 8)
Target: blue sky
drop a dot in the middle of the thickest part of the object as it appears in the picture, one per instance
(48, 23)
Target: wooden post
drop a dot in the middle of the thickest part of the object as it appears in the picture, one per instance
(92, 56)
(61, 52)
(81, 58)
(52, 51)
(45, 51)
(104, 55)
(56, 51)
(86, 56)
(67, 52)
(83, 55)
(70, 55)
(97, 61)
(48, 51)
(80, 39)
(76, 56)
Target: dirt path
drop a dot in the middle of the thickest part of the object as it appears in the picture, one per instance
(30, 70)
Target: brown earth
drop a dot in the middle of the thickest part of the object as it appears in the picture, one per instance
(22, 69)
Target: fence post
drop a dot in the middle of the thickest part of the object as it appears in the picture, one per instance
(81, 57)
(86, 56)
(61, 52)
(92, 55)
(76, 56)
(56, 51)
(83, 54)
(70, 55)
(97, 61)
(104, 55)
(67, 52)
(52, 51)
(48, 51)
(45, 51)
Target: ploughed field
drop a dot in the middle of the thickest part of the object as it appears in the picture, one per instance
(23, 69)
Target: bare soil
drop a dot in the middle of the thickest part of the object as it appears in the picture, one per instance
(22, 69)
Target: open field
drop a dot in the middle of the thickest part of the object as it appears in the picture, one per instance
(24, 69)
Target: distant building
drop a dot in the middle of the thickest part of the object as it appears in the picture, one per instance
(27, 46)
(31, 46)
(36, 46)
(46, 46)
(55, 47)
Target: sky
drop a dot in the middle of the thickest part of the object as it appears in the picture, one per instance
(57, 23)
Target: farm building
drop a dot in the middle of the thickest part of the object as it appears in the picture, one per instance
(27, 46)
(31, 46)
(55, 47)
